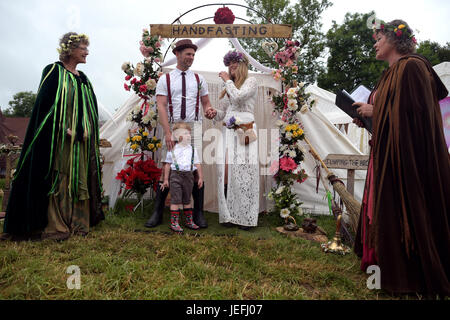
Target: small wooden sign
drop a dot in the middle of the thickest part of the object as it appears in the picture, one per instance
(350, 162)
(221, 30)
(347, 161)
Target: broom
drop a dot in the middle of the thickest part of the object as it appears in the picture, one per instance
(353, 206)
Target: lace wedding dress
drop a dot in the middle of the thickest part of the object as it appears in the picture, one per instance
(241, 206)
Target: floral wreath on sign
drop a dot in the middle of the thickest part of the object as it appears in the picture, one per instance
(224, 16)
(288, 106)
(142, 174)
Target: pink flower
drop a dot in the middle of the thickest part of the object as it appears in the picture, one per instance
(126, 87)
(287, 164)
(274, 167)
(158, 45)
(157, 60)
(127, 78)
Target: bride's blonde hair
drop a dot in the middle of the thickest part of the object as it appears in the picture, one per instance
(240, 76)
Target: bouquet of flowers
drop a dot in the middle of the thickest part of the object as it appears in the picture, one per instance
(233, 123)
(143, 77)
(139, 176)
(141, 140)
(147, 118)
(286, 203)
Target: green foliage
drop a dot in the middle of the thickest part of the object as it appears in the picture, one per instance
(304, 16)
(351, 60)
(22, 105)
(434, 52)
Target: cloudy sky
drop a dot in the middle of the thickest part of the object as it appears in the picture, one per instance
(30, 30)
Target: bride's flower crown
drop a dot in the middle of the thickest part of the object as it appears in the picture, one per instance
(233, 56)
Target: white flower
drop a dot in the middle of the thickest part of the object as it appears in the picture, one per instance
(270, 196)
(300, 211)
(284, 213)
(130, 117)
(304, 109)
(289, 135)
(136, 109)
(301, 84)
(126, 66)
(146, 119)
(153, 123)
(139, 70)
(237, 121)
(292, 93)
(279, 190)
(280, 123)
(292, 104)
(292, 154)
(151, 84)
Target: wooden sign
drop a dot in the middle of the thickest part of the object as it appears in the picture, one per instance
(347, 161)
(221, 30)
(351, 163)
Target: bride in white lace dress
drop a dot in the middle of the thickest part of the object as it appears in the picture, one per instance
(238, 174)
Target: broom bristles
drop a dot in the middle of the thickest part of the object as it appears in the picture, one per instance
(353, 206)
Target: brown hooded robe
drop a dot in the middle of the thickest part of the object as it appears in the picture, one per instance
(411, 169)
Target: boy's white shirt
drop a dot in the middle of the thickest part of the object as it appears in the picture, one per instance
(183, 155)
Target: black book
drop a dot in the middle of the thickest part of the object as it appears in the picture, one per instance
(344, 101)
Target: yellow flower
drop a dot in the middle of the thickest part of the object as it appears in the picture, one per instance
(294, 126)
(294, 134)
(128, 139)
(134, 146)
(137, 138)
(395, 30)
(159, 145)
(401, 26)
(145, 134)
(154, 138)
(299, 132)
(151, 146)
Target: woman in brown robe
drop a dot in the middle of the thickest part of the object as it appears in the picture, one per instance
(404, 221)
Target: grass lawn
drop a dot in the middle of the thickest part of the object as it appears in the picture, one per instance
(120, 259)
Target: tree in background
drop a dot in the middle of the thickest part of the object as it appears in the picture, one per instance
(434, 52)
(351, 60)
(22, 105)
(304, 16)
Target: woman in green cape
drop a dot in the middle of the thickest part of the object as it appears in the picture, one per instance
(56, 190)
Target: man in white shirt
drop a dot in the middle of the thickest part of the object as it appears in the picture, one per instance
(178, 97)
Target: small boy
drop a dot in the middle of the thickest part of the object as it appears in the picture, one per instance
(181, 163)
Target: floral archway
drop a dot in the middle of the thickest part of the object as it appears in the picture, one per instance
(287, 106)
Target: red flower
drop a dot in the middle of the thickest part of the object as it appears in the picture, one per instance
(126, 87)
(224, 16)
(143, 88)
(127, 78)
(133, 81)
(399, 33)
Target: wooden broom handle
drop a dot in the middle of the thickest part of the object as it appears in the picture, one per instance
(316, 155)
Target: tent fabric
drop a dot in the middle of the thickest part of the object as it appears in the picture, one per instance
(322, 133)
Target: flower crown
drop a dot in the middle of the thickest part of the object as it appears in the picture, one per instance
(401, 31)
(233, 56)
(73, 42)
